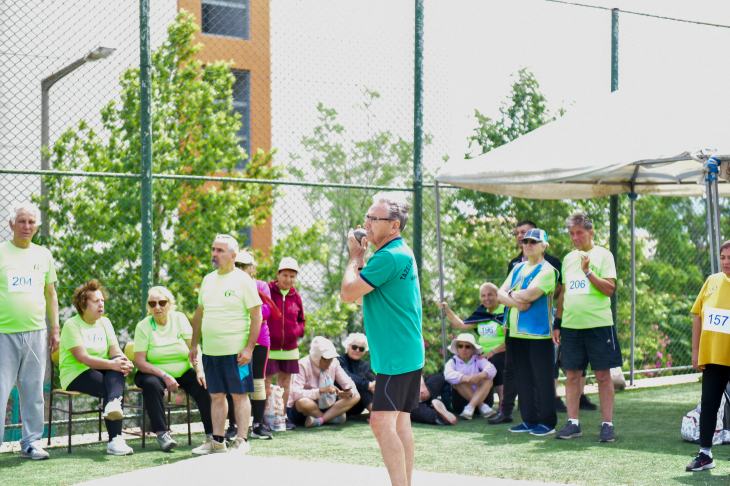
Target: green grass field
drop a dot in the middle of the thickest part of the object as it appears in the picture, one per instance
(648, 449)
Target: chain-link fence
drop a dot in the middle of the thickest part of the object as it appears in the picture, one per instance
(256, 133)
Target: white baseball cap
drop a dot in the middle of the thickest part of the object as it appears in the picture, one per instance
(288, 263)
(245, 258)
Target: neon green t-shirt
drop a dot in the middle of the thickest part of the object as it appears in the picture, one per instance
(24, 273)
(491, 333)
(96, 338)
(291, 354)
(545, 280)
(584, 306)
(165, 345)
(226, 300)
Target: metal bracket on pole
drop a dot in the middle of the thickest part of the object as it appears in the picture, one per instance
(441, 267)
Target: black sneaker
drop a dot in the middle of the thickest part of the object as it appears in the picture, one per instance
(570, 431)
(289, 425)
(500, 418)
(586, 404)
(231, 433)
(258, 431)
(560, 405)
(607, 433)
(701, 462)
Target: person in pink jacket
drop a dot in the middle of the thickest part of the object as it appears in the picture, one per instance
(313, 397)
(470, 377)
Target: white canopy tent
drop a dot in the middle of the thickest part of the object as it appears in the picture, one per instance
(670, 142)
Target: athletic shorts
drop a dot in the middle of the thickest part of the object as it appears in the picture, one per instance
(597, 346)
(397, 393)
(558, 366)
(223, 376)
(498, 361)
(274, 366)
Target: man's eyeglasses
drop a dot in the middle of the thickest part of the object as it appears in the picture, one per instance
(373, 218)
(530, 242)
(153, 303)
(463, 346)
(357, 348)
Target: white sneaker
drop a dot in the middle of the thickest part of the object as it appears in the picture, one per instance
(210, 446)
(340, 419)
(468, 412)
(34, 452)
(113, 410)
(486, 411)
(118, 447)
(240, 446)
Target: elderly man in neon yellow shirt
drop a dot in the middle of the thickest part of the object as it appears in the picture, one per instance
(228, 319)
(27, 296)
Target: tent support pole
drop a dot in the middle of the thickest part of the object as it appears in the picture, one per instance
(633, 288)
(711, 170)
(716, 211)
(441, 267)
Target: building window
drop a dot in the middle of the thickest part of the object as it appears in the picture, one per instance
(228, 18)
(242, 105)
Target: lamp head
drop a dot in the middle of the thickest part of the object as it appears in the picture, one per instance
(100, 53)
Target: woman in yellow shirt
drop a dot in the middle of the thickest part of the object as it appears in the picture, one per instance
(711, 352)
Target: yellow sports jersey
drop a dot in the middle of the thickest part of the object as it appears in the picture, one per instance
(713, 306)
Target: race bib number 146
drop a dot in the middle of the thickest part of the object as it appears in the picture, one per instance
(717, 320)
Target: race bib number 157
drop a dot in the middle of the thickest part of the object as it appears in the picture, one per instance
(717, 320)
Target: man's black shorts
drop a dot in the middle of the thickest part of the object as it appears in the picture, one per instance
(397, 393)
(597, 346)
(222, 375)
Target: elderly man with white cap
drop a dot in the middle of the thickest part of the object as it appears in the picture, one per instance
(314, 399)
(471, 377)
(284, 331)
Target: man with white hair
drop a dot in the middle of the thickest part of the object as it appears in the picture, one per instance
(390, 293)
(228, 318)
(584, 324)
(27, 296)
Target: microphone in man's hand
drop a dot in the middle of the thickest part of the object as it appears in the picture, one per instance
(360, 234)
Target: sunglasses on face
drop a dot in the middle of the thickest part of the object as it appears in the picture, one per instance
(530, 242)
(357, 348)
(153, 303)
(463, 346)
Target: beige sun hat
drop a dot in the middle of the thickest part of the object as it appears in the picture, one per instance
(245, 258)
(288, 263)
(465, 338)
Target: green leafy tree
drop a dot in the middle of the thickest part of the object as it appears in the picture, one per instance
(95, 222)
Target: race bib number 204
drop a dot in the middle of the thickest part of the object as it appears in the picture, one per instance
(19, 281)
(717, 320)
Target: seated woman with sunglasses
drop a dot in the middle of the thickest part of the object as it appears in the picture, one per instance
(161, 347)
(471, 377)
(356, 345)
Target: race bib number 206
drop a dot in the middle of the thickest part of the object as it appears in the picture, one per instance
(577, 284)
(717, 320)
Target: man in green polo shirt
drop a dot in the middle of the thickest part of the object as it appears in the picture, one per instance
(389, 290)
(584, 324)
(27, 296)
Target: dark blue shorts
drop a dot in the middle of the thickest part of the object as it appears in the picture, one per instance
(223, 376)
(597, 346)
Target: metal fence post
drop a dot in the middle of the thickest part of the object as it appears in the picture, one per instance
(613, 204)
(418, 140)
(439, 249)
(145, 95)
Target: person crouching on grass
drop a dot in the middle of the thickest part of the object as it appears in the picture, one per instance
(471, 377)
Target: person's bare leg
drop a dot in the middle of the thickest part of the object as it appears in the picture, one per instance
(218, 413)
(465, 390)
(480, 394)
(583, 380)
(369, 406)
(500, 392)
(269, 379)
(284, 381)
(605, 393)
(403, 427)
(384, 427)
(556, 387)
(308, 407)
(341, 406)
(572, 392)
(243, 410)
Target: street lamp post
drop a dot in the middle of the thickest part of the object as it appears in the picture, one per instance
(94, 55)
